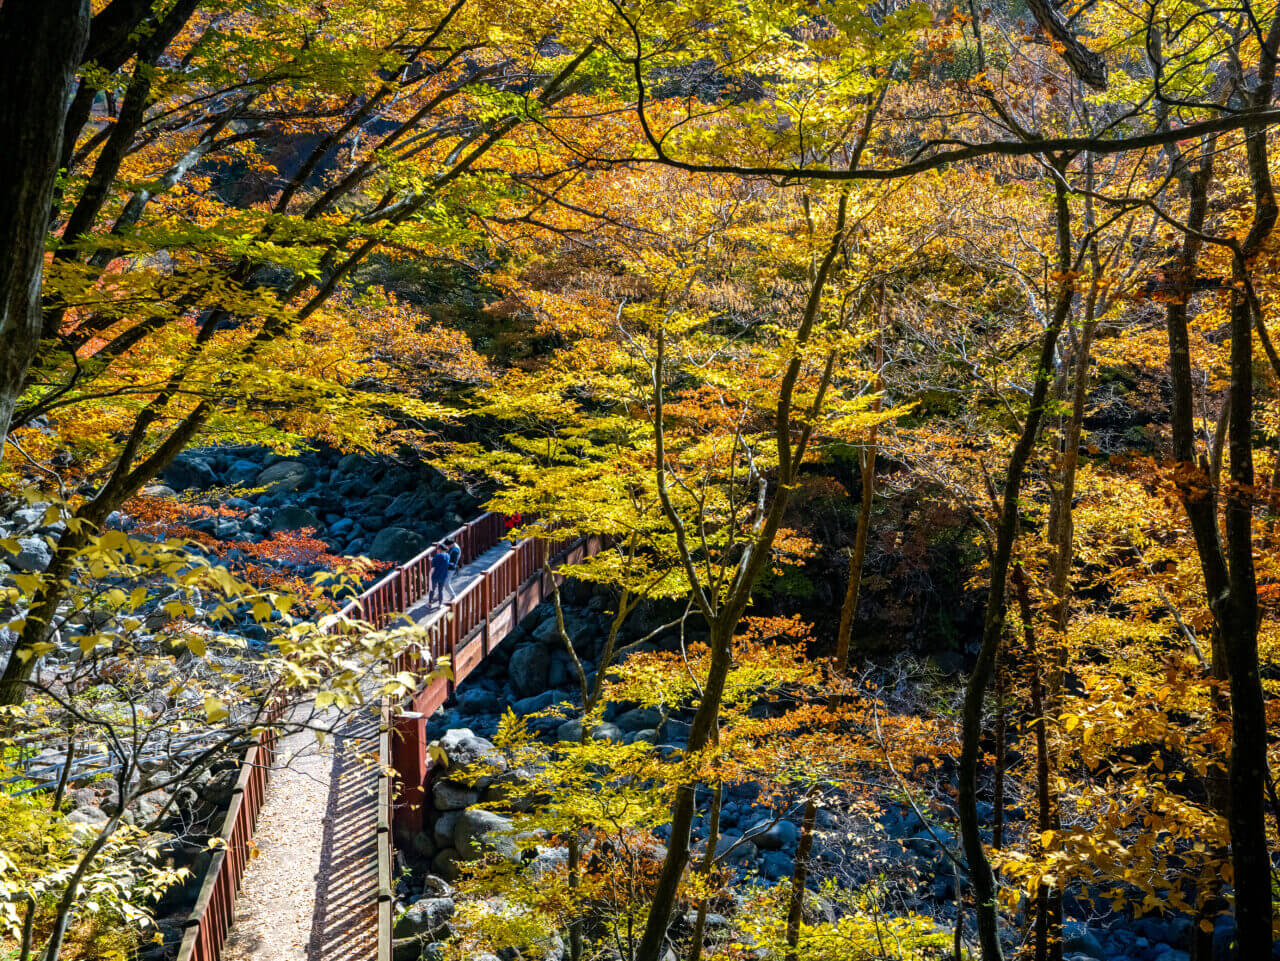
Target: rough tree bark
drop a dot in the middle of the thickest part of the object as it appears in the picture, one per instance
(41, 43)
(1228, 568)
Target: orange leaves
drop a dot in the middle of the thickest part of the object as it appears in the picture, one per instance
(272, 562)
(410, 346)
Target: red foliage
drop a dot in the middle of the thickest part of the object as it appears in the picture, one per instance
(256, 563)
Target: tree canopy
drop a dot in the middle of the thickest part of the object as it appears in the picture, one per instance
(913, 360)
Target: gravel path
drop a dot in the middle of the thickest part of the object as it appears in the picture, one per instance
(311, 894)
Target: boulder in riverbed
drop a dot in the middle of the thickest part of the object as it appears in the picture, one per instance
(529, 669)
(477, 829)
(639, 719)
(397, 545)
(773, 837)
(453, 797)
(284, 476)
(293, 519)
(425, 918)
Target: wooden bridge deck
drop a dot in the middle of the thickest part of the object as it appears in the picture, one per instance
(311, 892)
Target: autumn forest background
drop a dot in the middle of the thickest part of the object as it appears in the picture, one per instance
(914, 362)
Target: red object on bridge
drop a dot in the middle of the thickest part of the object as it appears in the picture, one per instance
(409, 757)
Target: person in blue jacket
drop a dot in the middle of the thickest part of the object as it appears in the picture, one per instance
(455, 555)
(440, 574)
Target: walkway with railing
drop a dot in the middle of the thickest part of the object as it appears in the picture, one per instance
(318, 884)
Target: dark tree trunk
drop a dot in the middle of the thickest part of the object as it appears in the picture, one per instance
(981, 876)
(708, 863)
(1048, 901)
(1002, 758)
(1228, 568)
(683, 808)
(41, 43)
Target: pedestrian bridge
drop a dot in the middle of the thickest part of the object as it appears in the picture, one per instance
(305, 874)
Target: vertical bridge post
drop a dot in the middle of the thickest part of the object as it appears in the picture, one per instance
(409, 758)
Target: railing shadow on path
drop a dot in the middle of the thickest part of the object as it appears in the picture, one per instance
(351, 891)
(344, 925)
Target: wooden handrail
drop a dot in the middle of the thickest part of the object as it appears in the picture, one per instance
(493, 604)
(210, 920)
(386, 891)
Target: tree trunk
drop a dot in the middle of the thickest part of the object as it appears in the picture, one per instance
(1228, 570)
(1250, 856)
(1048, 901)
(848, 612)
(1217, 789)
(708, 861)
(981, 877)
(997, 790)
(799, 877)
(1063, 533)
(41, 42)
(1251, 859)
(722, 617)
(682, 809)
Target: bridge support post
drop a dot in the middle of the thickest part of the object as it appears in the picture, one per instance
(486, 595)
(409, 758)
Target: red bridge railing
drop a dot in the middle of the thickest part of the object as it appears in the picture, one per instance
(483, 614)
(407, 584)
(476, 622)
(210, 920)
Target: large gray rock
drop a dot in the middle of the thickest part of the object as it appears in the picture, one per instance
(444, 864)
(1078, 939)
(453, 797)
(226, 528)
(572, 731)
(397, 545)
(639, 719)
(442, 830)
(463, 747)
(408, 504)
(351, 464)
(427, 918)
(674, 731)
(562, 671)
(732, 849)
(477, 829)
(30, 516)
(479, 701)
(773, 837)
(434, 887)
(34, 554)
(242, 472)
(294, 519)
(423, 845)
(548, 631)
(284, 476)
(548, 861)
(87, 815)
(529, 669)
(189, 473)
(582, 630)
(539, 702)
